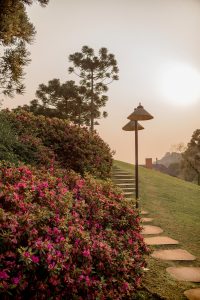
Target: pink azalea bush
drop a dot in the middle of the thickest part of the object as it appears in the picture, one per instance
(65, 237)
(72, 147)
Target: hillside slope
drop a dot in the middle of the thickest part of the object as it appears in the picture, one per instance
(175, 206)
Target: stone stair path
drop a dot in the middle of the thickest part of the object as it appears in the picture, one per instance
(126, 182)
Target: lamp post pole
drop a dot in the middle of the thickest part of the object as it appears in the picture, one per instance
(136, 165)
(139, 114)
(135, 126)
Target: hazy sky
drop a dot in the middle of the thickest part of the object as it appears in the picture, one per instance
(157, 46)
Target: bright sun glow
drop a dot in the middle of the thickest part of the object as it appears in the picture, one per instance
(180, 84)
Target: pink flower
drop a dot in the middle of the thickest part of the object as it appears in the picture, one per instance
(125, 286)
(35, 259)
(86, 253)
(3, 275)
(80, 183)
(16, 280)
(26, 254)
(22, 185)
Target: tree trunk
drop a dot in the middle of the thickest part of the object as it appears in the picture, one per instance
(92, 102)
(79, 115)
(66, 108)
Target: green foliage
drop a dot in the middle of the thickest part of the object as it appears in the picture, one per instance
(15, 147)
(15, 32)
(191, 158)
(95, 73)
(64, 101)
(8, 141)
(72, 147)
(174, 169)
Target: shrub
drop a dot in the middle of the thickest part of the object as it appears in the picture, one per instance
(8, 141)
(65, 237)
(73, 147)
(24, 147)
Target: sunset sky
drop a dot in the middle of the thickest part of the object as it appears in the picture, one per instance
(157, 47)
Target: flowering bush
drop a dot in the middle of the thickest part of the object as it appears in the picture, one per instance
(65, 237)
(72, 147)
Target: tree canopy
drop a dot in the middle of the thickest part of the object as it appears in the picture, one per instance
(96, 72)
(16, 31)
(191, 158)
(63, 100)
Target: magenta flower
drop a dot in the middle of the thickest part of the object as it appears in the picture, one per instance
(16, 280)
(3, 275)
(86, 253)
(35, 259)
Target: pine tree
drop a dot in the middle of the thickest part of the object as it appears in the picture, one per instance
(62, 100)
(95, 73)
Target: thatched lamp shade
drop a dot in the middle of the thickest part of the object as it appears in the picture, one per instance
(140, 114)
(130, 126)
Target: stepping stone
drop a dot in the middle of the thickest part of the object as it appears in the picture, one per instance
(144, 212)
(174, 254)
(146, 219)
(185, 273)
(149, 229)
(160, 240)
(193, 294)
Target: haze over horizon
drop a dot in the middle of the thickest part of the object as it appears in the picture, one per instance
(157, 47)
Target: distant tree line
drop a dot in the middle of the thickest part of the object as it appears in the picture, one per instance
(185, 163)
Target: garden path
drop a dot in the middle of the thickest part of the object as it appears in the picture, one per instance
(126, 182)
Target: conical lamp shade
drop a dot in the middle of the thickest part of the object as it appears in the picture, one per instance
(140, 114)
(130, 126)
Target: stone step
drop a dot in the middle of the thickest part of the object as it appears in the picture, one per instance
(131, 189)
(174, 254)
(126, 185)
(144, 212)
(160, 240)
(185, 273)
(193, 294)
(127, 176)
(149, 229)
(123, 180)
(120, 173)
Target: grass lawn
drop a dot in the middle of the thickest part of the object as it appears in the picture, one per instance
(175, 206)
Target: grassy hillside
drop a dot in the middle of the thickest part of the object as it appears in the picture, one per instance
(175, 206)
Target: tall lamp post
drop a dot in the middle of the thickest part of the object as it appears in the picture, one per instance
(132, 126)
(139, 114)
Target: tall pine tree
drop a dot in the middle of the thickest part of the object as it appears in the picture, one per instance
(96, 72)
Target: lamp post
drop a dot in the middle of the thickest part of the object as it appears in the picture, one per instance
(139, 114)
(134, 126)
